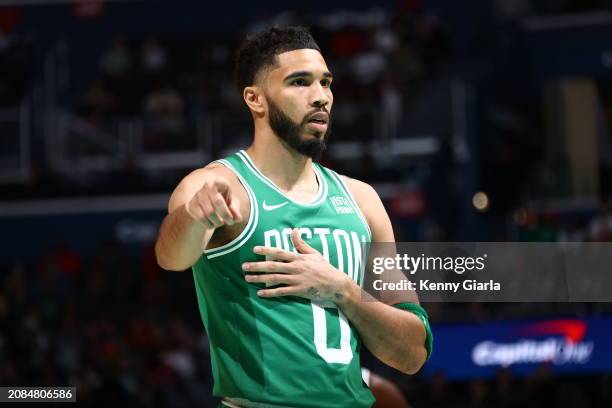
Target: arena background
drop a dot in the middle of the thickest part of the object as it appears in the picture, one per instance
(475, 120)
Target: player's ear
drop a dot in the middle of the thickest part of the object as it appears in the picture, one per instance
(253, 97)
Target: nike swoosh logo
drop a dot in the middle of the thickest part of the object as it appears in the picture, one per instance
(273, 207)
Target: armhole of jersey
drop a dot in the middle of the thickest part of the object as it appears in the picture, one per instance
(251, 223)
(346, 190)
(366, 375)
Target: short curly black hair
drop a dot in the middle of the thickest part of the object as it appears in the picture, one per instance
(259, 50)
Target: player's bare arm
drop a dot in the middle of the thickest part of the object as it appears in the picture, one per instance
(206, 209)
(394, 336)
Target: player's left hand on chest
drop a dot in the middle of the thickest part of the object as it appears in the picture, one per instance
(306, 274)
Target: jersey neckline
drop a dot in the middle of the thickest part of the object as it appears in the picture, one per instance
(321, 193)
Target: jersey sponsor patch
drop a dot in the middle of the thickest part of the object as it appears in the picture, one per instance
(342, 205)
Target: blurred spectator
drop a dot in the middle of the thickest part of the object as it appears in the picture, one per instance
(165, 101)
(65, 260)
(348, 43)
(117, 70)
(391, 107)
(439, 393)
(117, 60)
(432, 42)
(385, 39)
(478, 394)
(98, 99)
(407, 65)
(165, 120)
(367, 67)
(153, 57)
(505, 393)
(540, 387)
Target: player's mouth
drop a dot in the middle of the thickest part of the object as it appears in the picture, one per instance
(319, 121)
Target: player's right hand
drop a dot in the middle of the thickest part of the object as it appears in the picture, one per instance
(214, 205)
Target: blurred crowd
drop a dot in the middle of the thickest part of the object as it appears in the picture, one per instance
(112, 325)
(123, 331)
(541, 389)
(164, 93)
(393, 69)
(378, 61)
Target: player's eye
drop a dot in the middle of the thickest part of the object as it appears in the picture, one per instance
(299, 82)
(326, 83)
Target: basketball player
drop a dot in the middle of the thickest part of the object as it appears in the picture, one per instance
(274, 241)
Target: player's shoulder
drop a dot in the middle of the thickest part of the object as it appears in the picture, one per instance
(372, 208)
(209, 172)
(196, 179)
(366, 197)
(362, 192)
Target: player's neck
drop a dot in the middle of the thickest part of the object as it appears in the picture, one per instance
(285, 167)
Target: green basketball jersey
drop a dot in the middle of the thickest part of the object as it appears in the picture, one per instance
(285, 351)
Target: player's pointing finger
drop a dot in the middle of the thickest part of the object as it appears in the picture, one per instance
(221, 185)
(220, 208)
(234, 207)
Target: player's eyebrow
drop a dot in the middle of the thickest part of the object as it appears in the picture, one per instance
(301, 74)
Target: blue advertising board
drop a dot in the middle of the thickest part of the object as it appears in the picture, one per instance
(566, 345)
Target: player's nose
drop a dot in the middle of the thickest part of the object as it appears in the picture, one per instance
(319, 97)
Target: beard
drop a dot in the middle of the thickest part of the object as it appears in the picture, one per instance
(289, 133)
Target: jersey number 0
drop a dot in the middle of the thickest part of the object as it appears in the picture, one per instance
(342, 355)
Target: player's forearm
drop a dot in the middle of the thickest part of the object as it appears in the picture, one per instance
(180, 240)
(396, 337)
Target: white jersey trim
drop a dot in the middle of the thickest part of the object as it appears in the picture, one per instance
(248, 229)
(319, 198)
(366, 375)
